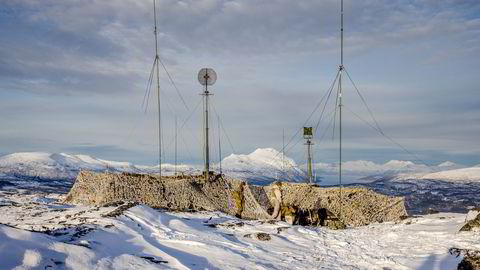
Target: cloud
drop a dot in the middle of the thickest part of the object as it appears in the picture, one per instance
(77, 64)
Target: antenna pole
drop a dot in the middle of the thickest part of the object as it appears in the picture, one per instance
(207, 156)
(206, 76)
(341, 34)
(340, 106)
(176, 146)
(158, 92)
(283, 153)
(219, 145)
(309, 152)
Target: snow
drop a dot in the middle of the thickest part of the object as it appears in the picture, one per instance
(81, 237)
(466, 174)
(471, 215)
(48, 166)
(367, 171)
(264, 164)
(449, 164)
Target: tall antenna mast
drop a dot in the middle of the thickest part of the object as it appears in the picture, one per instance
(283, 153)
(157, 58)
(176, 146)
(340, 105)
(206, 77)
(219, 145)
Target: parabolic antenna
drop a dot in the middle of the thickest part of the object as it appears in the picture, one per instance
(207, 76)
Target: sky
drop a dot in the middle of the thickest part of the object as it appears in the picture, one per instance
(73, 76)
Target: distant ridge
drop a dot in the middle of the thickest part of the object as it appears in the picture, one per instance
(261, 166)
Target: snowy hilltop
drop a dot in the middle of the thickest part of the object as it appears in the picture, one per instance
(261, 166)
(264, 164)
(125, 236)
(39, 165)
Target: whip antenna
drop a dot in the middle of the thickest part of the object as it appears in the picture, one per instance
(158, 91)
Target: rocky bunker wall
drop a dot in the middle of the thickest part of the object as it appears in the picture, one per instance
(294, 203)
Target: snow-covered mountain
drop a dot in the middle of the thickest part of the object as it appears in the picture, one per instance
(47, 166)
(55, 166)
(445, 190)
(364, 167)
(263, 164)
(368, 171)
(471, 174)
(443, 187)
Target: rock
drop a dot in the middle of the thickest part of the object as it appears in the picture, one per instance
(471, 258)
(473, 223)
(263, 236)
(260, 236)
(119, 210)
(153, 259)
(281, 229)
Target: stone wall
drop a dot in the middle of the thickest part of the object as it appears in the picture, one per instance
(294, 203)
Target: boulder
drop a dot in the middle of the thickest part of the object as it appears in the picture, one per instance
(473, 222)
(470, 261)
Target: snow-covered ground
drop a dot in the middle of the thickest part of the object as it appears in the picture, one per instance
(88, 237)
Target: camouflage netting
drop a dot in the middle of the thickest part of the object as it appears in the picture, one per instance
(302, 204)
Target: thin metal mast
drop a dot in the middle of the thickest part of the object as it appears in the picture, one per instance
(341, 35)
(309, 153)
(219, 145)
(340, 105)
(283, 153)
(207, 154)
(157, 58)
(176, 146)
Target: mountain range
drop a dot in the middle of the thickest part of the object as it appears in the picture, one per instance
(262, 165)
(447, 186)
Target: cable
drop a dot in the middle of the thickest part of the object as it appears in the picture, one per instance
(223, 128)
(389, 138)
(335, 115)
(328, 126)
(146, 96)
(185, 122)
(363, 100)
(326, 102)
(174, 84)
(312, 113)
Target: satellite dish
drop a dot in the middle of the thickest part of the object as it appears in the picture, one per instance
(207, 76)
